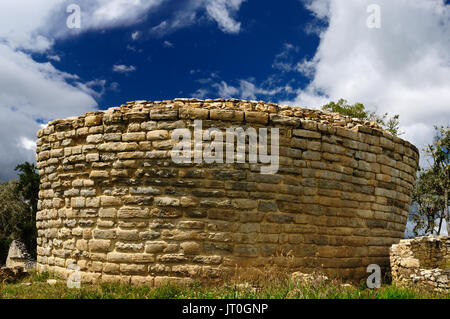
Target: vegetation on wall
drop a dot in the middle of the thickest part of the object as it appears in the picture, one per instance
(359, 111)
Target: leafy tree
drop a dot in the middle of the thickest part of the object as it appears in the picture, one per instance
(28, 188)
(28, 185)
(13, 216)
(359, 111)
(431, 191)
(428, 203)
(18, 207)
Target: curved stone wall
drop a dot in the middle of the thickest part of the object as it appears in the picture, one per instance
(115, 203)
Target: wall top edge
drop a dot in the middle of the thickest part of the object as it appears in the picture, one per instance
(250, 111)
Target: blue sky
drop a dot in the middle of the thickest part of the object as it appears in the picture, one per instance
(297, 52)
(184, 62)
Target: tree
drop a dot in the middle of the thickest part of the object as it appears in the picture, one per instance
(359, 111)
(28, 185)
(18, 208)
(431, 190)
(28, 188)
(428, 203)
(440, 153)
(13, 216)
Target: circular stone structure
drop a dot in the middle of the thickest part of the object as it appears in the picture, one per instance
(117, 204)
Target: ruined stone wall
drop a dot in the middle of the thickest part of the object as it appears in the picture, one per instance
(422, 261)
(113, 202)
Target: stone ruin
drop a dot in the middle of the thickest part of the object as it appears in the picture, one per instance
(114, 203)
(18, 263)
(422, 261)
(18, 257)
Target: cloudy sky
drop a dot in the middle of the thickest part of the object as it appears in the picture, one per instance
(298, 52)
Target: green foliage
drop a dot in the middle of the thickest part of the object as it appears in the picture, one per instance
(28, 185)
(428, 201)
(432, 187)
(359, 111)
(13, 217)
(392, 124)
(285, 289)
(28, 188)
(18, 207)
(355, 111)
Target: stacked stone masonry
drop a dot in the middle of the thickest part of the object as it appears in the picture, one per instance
(422, 261)
(114, 203)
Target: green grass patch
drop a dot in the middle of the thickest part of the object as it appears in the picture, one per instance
(36, 287)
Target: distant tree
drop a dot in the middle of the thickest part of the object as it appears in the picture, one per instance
(28, 185)
(359, 111)
(28, 188)
(430, 194)
(14, 214)
(428, 203)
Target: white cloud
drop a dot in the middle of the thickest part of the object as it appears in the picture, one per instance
(29, 85)
(27, 144)
(401, 68)
(201, 94)
(168, 44)
(95, 88)
(244, 89)
(306, 67)
(249, 91)
(160, 29)
(136, 35)
(50, 16)
(122, 68)
(225, 90)
(31, 91)
(115, 87)
(320, 8)
(283, 60)
(54, 57)
(222, 11)
(109, 13)
(20, 20)
(98, 15)
(33, 25)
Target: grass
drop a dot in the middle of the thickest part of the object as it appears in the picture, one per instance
(282, 288)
